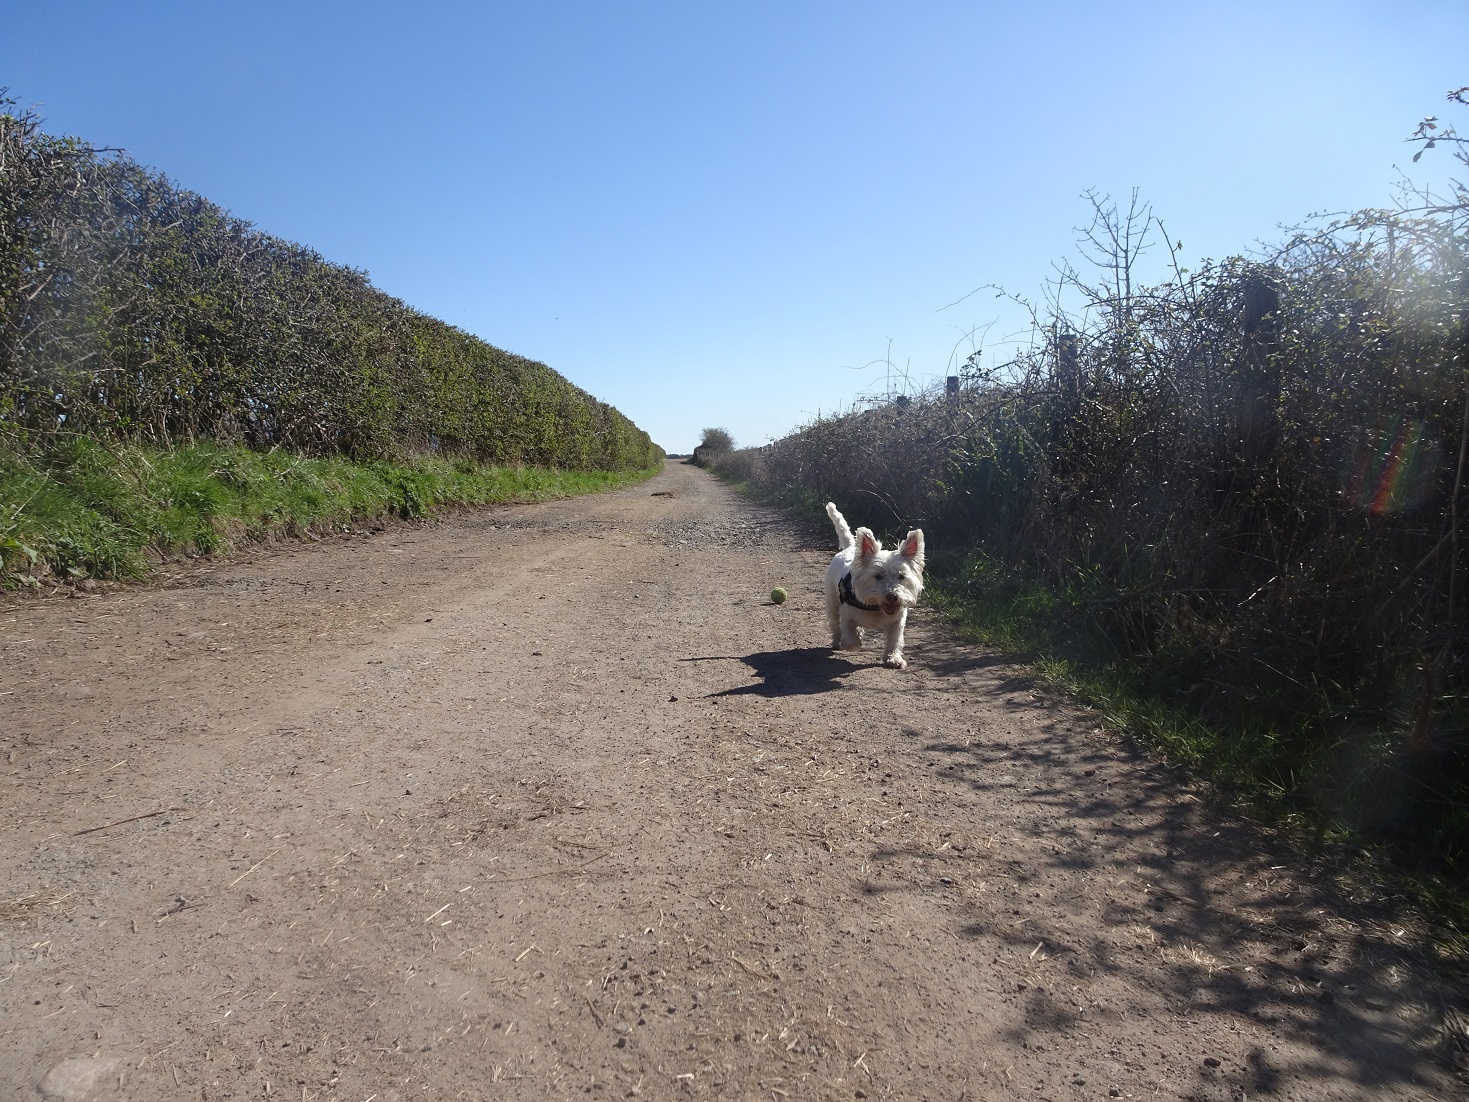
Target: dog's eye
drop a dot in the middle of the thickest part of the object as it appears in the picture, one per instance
(878, 575)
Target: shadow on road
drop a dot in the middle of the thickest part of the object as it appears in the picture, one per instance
(1242, 919)
(799, 671)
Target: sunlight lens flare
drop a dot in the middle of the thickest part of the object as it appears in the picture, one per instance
(1393, 467)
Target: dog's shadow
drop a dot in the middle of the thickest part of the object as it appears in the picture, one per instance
(800, 671)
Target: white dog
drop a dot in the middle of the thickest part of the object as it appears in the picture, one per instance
(867, 587)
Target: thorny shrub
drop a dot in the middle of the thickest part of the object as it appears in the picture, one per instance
(1251, 481)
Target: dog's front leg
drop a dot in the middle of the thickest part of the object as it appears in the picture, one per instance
(893, 651)
(834, 618)
(848, 637)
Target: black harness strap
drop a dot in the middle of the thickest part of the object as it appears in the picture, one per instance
(850, 598)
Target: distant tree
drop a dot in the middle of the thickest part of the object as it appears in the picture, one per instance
(717, 440)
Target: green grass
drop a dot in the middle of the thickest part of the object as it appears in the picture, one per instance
(84, 509)
(1051, 629)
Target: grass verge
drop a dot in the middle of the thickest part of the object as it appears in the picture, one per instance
(1049, 627)
(85, 509)
(1257, 769)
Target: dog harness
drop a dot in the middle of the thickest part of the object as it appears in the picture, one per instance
(850, 598)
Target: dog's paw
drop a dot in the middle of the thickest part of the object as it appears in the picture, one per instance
(896, 661)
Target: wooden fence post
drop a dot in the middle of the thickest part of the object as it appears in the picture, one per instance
(1068, 367)
(1066, 417)
(1256, 431)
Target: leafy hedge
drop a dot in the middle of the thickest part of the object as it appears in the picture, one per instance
(133, 309)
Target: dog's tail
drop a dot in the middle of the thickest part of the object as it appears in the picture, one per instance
(839, 522)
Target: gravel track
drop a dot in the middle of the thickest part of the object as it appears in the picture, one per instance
(551, 802)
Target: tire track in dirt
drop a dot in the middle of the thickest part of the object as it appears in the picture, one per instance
(549, 801)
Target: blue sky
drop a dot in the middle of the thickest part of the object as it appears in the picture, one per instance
(715, 214)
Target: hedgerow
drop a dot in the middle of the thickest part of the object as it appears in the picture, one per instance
(1244, 487)
(132, 309)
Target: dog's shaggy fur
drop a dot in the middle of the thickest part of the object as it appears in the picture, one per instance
(867, 587)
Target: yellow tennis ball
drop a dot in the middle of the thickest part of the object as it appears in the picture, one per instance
(778, 595)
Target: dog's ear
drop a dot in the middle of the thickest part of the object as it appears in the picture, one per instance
(868, 545)
(913, 547)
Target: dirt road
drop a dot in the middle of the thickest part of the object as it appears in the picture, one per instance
(551, 802)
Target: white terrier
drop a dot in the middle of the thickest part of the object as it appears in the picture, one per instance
(867, 587)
